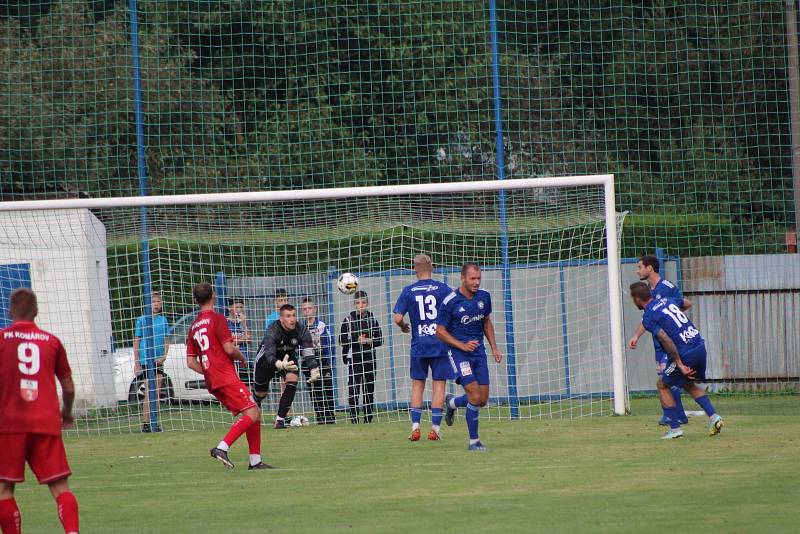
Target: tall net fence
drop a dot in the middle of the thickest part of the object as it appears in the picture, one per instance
(686, 103)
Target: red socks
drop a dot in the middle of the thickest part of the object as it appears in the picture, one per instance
(254, 437)
(10, 520)
(68, 511)
(237, 429)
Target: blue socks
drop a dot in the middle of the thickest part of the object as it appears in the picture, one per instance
(706, 405)
(436, 417)
(459, 402)
(471, 415)
(416, 415)
(674, 416)
(676, 394)
(472, 420)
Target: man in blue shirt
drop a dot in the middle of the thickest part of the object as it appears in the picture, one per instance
(683, 344)
(281, 298)
(647, 270)
(464, 319)
(150, 348)
(421, 301)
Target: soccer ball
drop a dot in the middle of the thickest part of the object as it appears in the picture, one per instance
(348, 283)
(298, 421)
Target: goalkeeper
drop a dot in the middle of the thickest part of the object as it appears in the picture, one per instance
(277, 355)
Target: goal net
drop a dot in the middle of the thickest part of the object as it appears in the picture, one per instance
(99, 266)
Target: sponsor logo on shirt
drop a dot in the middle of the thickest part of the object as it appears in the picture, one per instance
(661, 303)
(466, 319)
(426, 330)
(425, 288)
(689, 334)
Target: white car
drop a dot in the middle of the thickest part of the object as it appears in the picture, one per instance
(180, 382)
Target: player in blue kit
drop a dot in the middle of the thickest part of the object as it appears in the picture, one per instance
(647, 270)
(464, 319)
(686, 349)
(421, 301)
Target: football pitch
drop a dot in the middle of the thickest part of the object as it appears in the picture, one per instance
(601, 474)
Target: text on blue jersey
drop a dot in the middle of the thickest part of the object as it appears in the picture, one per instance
(665, 314)
(422, 300)
(663, 289)
(464, 318)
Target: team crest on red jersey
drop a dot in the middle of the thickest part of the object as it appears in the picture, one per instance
(29, 390)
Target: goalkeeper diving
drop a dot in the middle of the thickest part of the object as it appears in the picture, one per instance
(277, 356)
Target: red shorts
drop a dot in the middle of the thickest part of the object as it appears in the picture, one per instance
(44, 453)
(236, 397)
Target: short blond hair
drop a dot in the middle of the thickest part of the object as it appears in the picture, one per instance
(423, 262)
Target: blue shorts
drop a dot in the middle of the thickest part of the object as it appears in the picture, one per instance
(468, 369)
(696, 359)
(439, 366)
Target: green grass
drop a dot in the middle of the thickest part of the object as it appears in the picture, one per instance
(603, 474)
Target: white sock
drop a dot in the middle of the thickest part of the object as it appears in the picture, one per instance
(474, 441)
(278, 418)
(223, 446)
(452, 403)
(255, 459)
(414, 426)
(435, 428)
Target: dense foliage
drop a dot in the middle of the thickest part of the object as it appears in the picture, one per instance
(686, 102)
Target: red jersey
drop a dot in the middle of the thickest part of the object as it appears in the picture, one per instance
(205, 339)
(30, 361)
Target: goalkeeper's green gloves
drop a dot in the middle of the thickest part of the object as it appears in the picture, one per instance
(315, 375)
(286, 365)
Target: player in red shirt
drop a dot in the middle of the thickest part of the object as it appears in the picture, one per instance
(30, 420)
(210, 351)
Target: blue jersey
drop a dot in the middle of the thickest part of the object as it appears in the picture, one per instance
(665, 314)
(464, 319)
(421, 301)
(152, 331)
(664, 289)
(273, 316)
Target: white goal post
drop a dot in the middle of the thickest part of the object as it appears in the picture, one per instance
(443, 191)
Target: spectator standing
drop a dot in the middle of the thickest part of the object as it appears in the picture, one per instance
(150, 349)
(359, 336)
(325, 350)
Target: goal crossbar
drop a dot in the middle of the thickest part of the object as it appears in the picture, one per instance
(306, 194)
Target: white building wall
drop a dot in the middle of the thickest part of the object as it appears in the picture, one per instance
(66, 250)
